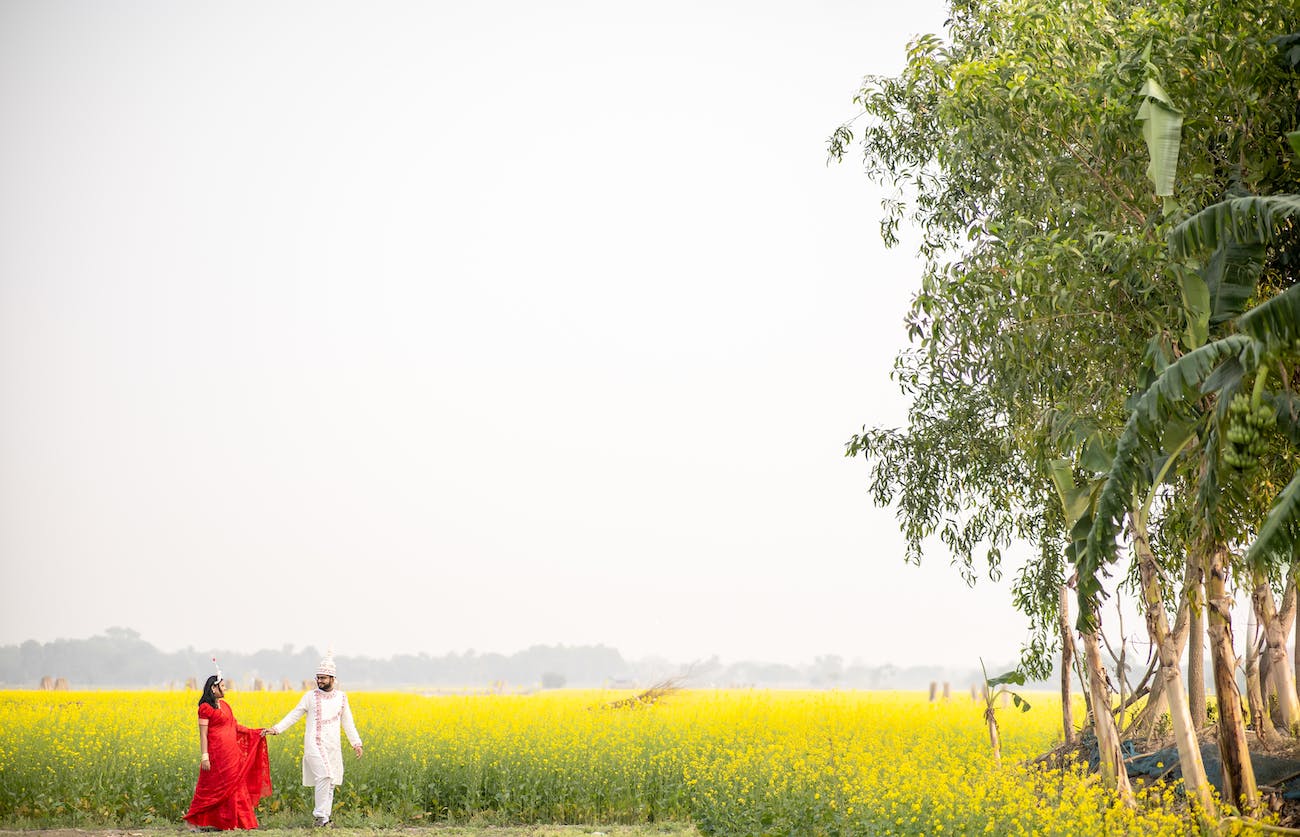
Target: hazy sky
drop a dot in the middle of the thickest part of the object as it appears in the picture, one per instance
(431, 326)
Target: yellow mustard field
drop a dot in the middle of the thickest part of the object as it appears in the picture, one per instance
(732, 762)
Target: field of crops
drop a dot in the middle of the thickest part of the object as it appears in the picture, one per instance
(731, 762)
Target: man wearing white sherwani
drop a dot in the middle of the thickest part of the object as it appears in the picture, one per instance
(326, 709)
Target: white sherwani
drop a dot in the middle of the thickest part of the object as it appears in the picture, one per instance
(322, 757)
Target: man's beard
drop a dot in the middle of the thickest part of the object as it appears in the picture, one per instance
(324, 687)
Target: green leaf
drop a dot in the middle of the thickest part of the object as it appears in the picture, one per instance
(1287, 405)
(1020, 702)
(1278, 536)
(1079, 531)
(1015, 677)
(1162, 126)
(1074, 499)
(1275, 321)
(1175, 433)
(1294, 139)
(1225, 375)
(1196, 309)
(1289, 45)
(1231, 276)
(1062, 474)
(1247, 220)
(1166, 400)
(1098, 451)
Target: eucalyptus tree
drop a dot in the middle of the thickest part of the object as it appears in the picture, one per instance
(1200, 398)
(1039, 286)
(1046, 280)
(1221, 425)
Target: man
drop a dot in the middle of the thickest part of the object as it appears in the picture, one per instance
(326, 709)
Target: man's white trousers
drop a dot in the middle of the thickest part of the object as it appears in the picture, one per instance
(324, 797)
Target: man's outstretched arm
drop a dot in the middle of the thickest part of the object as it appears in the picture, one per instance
(293, 716)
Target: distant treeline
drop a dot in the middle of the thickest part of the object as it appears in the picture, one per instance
(119, 657)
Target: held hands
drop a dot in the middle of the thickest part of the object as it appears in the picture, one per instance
(205, 763)
(356, 748)
(269, 731)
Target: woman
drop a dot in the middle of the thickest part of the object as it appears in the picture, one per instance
(234, 772)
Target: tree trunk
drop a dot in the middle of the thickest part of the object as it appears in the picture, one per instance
(1067, 656)
(1196, 666)
(1156, 704)
(1121, 670)
(1279, 674)
(1288, 612)
(1238, 773)
(1264, 665)
(1149, 718)
(1180, 716)
(1110, 758)
(1267, 677)
(1288, 603)
(1194, 596)
(993, 731)
(1259, 716)
(1298, 653)
(1081, 672)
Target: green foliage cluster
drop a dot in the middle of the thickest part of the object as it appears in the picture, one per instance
(1070, 324)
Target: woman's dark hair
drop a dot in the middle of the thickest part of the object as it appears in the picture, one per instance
(209, 698)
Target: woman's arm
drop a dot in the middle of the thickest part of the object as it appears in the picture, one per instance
(205, 763)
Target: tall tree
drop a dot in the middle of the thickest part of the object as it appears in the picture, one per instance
(1047, 281)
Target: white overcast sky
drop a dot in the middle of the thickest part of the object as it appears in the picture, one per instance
(433, 326)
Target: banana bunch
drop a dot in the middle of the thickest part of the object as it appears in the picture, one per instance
(1247, 425)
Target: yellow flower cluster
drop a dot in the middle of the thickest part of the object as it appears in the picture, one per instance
(734, 762)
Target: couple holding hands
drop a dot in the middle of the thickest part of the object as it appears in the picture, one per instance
(234, 769)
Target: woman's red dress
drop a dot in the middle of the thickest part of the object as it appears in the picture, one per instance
(240, 774)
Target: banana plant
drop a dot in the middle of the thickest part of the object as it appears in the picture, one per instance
(1207, 387)
(995, 688)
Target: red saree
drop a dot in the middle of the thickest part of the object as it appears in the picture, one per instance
(240, 775)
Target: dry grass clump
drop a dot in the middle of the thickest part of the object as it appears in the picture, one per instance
(650, 696)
